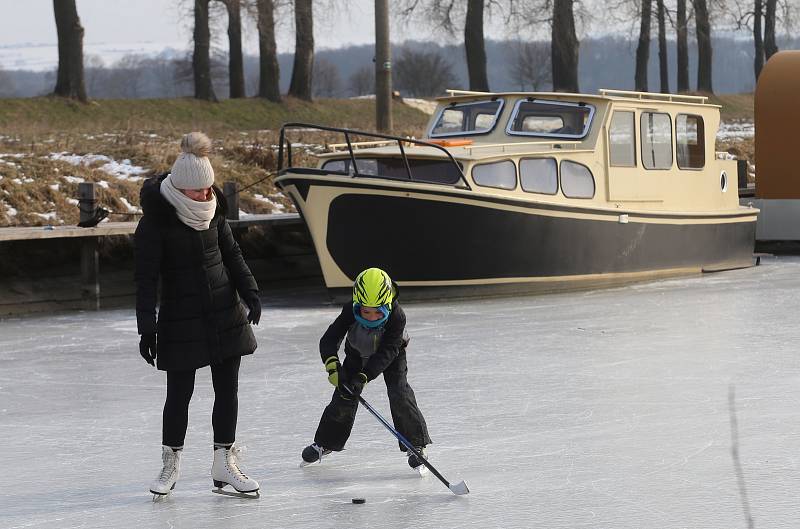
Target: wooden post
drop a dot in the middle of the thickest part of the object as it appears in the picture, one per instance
(90, 261)
(231, 192)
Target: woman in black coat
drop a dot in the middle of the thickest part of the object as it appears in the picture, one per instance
(184, 241)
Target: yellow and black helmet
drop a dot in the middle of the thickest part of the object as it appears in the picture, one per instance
(373, 288)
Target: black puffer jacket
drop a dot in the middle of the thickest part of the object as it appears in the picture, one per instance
(201, 320)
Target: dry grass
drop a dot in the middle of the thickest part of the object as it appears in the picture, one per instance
(244, 133)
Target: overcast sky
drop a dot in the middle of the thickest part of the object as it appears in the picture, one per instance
(116, 27)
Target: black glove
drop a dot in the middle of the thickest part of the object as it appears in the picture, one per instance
(355, 385)
(148, 347)
(253, 303)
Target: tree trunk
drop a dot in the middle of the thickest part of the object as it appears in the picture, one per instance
(683, 48)
(663, 60)
(474, 45)
(201, 58)
(704, 53)
(235, 59)
(564, 48)
(300, 85)
(770, 47)
(643, 49)
(69, 81)
(269, 71)
(758, 42)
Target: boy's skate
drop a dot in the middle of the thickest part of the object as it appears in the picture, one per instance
(313, 453)
(225, 471)
(415, 463)
(170, 472)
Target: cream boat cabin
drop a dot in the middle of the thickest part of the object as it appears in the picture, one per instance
(528, 191)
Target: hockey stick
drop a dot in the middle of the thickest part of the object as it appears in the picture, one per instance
(458, 488)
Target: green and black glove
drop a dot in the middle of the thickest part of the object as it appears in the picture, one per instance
(332, 366)
(356, 384)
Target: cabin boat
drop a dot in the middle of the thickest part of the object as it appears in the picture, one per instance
(519, 192)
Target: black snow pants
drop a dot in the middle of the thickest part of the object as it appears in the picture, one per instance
(337, 419)
(180, 386)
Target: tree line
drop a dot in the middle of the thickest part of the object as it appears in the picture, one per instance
(555, 62)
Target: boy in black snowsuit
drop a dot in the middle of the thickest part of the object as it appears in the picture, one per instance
(373, 328)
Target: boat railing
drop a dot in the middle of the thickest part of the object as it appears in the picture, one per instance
(385, 139)
(653, 96)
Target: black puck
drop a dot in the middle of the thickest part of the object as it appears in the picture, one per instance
(359, 500)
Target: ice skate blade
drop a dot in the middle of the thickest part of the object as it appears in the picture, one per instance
(459, 488)
(256, 494)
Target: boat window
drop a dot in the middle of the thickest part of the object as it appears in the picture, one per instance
(656, 134)
(555, 119)
(621, 142)
(459, 119)
(577, 180)
(690, 141)
(502, 175)
(538, 175)
(422, 170)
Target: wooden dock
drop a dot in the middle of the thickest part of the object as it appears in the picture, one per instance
(105, 229)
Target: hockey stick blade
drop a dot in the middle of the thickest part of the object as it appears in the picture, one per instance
(459, 488)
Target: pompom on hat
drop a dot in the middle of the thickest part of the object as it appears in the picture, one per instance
(192, 169)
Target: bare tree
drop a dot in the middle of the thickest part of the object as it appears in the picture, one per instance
(475, 46)
(69, 81)
(201, 58)
(449, 15)
(770, 47)
(362, 81)
(663, 61)
(235, 57)
(268, 71)
(93, 72)
(704, 50)
(7, 87)
(302, 71)
(564, 47)
(327, 82)
(682, 44)
(643, 49)
(422, 74)
(530, 65)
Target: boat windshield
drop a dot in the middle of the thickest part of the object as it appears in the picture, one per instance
(422, 170)
(551, 119)
(460, 119)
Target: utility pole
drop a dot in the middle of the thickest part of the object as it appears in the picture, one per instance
(383, 68)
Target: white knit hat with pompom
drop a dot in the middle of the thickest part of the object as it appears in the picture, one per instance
(192, 169)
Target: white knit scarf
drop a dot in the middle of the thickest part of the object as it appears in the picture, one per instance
(194, 214)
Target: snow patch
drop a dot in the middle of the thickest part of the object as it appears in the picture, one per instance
(123, 170)
(73, 179)
(131, 207)
(277, 206)
(52, 215)
(738, 129)
(54, 187)
(103, 184)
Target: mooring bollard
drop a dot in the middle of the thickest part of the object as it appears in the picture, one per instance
(231, 192)
(90, 260)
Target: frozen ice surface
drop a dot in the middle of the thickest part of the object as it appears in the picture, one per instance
(602, 409)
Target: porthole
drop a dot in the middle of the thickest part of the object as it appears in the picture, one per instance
(723, 181)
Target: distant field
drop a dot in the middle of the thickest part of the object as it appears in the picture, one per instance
(49, 145)
(46, 114)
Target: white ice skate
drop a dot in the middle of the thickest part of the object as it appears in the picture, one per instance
(169, 474)
(225, 471)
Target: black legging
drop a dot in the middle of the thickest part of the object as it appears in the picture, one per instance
(180, 385)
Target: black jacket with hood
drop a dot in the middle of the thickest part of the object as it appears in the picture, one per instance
(201, 320)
